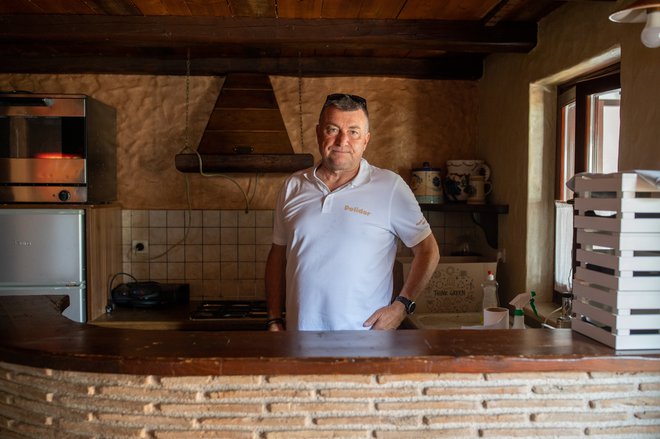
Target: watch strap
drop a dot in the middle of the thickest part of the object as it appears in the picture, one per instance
(407, 303)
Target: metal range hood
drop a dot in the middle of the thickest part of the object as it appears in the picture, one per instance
(245, 132)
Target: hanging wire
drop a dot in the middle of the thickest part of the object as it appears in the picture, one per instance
(186, 135)
(187, 148)
(300, 111)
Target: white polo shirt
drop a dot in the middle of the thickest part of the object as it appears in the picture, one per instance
(341, 245)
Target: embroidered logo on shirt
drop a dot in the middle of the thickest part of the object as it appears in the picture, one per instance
(356, 210)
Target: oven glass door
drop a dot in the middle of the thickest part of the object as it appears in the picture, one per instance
(42, 140)
(32, 137)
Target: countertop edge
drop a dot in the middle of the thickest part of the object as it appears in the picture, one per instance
(58, 343)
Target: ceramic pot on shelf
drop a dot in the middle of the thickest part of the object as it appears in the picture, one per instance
(477, 189)
(457, 183)
(426, 184)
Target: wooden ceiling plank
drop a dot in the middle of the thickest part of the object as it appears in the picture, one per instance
(177, 8)
(61, 7)
(531, 10)
(151, 7)
(380, 9)
(340, 8)
(112, 7)
(18, 7)
(252, 8)
(502, 11)
(299, 8)
(469, 10)
(214, 8)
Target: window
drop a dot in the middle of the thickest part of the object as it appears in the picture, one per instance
(588, 141)
(589, 129)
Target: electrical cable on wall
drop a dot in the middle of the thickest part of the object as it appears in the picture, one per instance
(187, 148)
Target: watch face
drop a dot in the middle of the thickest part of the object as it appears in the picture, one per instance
(411, 308)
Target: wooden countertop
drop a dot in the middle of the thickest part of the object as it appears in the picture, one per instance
(32, 332)
(173, 318)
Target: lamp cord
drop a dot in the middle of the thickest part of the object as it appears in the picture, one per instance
(187, 148)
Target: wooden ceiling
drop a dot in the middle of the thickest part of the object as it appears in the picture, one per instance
(444, 39)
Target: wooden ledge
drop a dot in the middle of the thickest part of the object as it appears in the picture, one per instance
(243, 162)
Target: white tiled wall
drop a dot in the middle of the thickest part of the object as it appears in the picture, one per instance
(222, 253)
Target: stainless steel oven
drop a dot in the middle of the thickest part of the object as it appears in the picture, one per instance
(56, 148)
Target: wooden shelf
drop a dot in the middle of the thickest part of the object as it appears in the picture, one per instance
(483, 215)
(244, 162)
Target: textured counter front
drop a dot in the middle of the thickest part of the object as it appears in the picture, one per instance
(33, 333)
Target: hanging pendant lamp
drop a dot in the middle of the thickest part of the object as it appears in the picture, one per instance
(641, 11)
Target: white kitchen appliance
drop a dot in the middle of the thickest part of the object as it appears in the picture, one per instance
(42, 252)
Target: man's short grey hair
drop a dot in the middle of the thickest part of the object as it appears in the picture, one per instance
(345, 102)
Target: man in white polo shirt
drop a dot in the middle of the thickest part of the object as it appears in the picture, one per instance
(335, 235)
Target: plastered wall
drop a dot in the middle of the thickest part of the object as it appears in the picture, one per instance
(411, 121)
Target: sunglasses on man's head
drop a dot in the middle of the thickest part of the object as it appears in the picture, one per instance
(336, 97)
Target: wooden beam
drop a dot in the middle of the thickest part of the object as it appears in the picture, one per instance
(171, 31)
(467, 68)
(218, 45)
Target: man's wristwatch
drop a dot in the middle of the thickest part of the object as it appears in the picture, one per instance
(409, 304)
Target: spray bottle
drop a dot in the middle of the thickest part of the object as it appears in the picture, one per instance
(519, 303)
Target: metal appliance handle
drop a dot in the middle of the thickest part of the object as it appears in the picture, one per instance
(26, 102)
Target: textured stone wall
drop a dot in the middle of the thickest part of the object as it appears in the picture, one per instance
(412, 121)
(43, 404)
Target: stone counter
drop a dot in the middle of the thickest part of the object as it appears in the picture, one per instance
(62, 379)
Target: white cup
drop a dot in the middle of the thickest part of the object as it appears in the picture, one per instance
(496, 318)
(477, 189)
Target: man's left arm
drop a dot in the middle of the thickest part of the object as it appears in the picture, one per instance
(425, 260)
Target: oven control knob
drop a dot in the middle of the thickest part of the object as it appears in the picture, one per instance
(64, 195)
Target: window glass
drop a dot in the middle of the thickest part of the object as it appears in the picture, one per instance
(604, 131)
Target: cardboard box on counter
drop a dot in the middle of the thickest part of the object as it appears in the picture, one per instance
(455, 286)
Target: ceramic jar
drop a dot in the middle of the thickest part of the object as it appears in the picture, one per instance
(457, 183)
(426, 184)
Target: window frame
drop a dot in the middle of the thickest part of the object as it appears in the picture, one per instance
(578, 91)
(581, 90)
